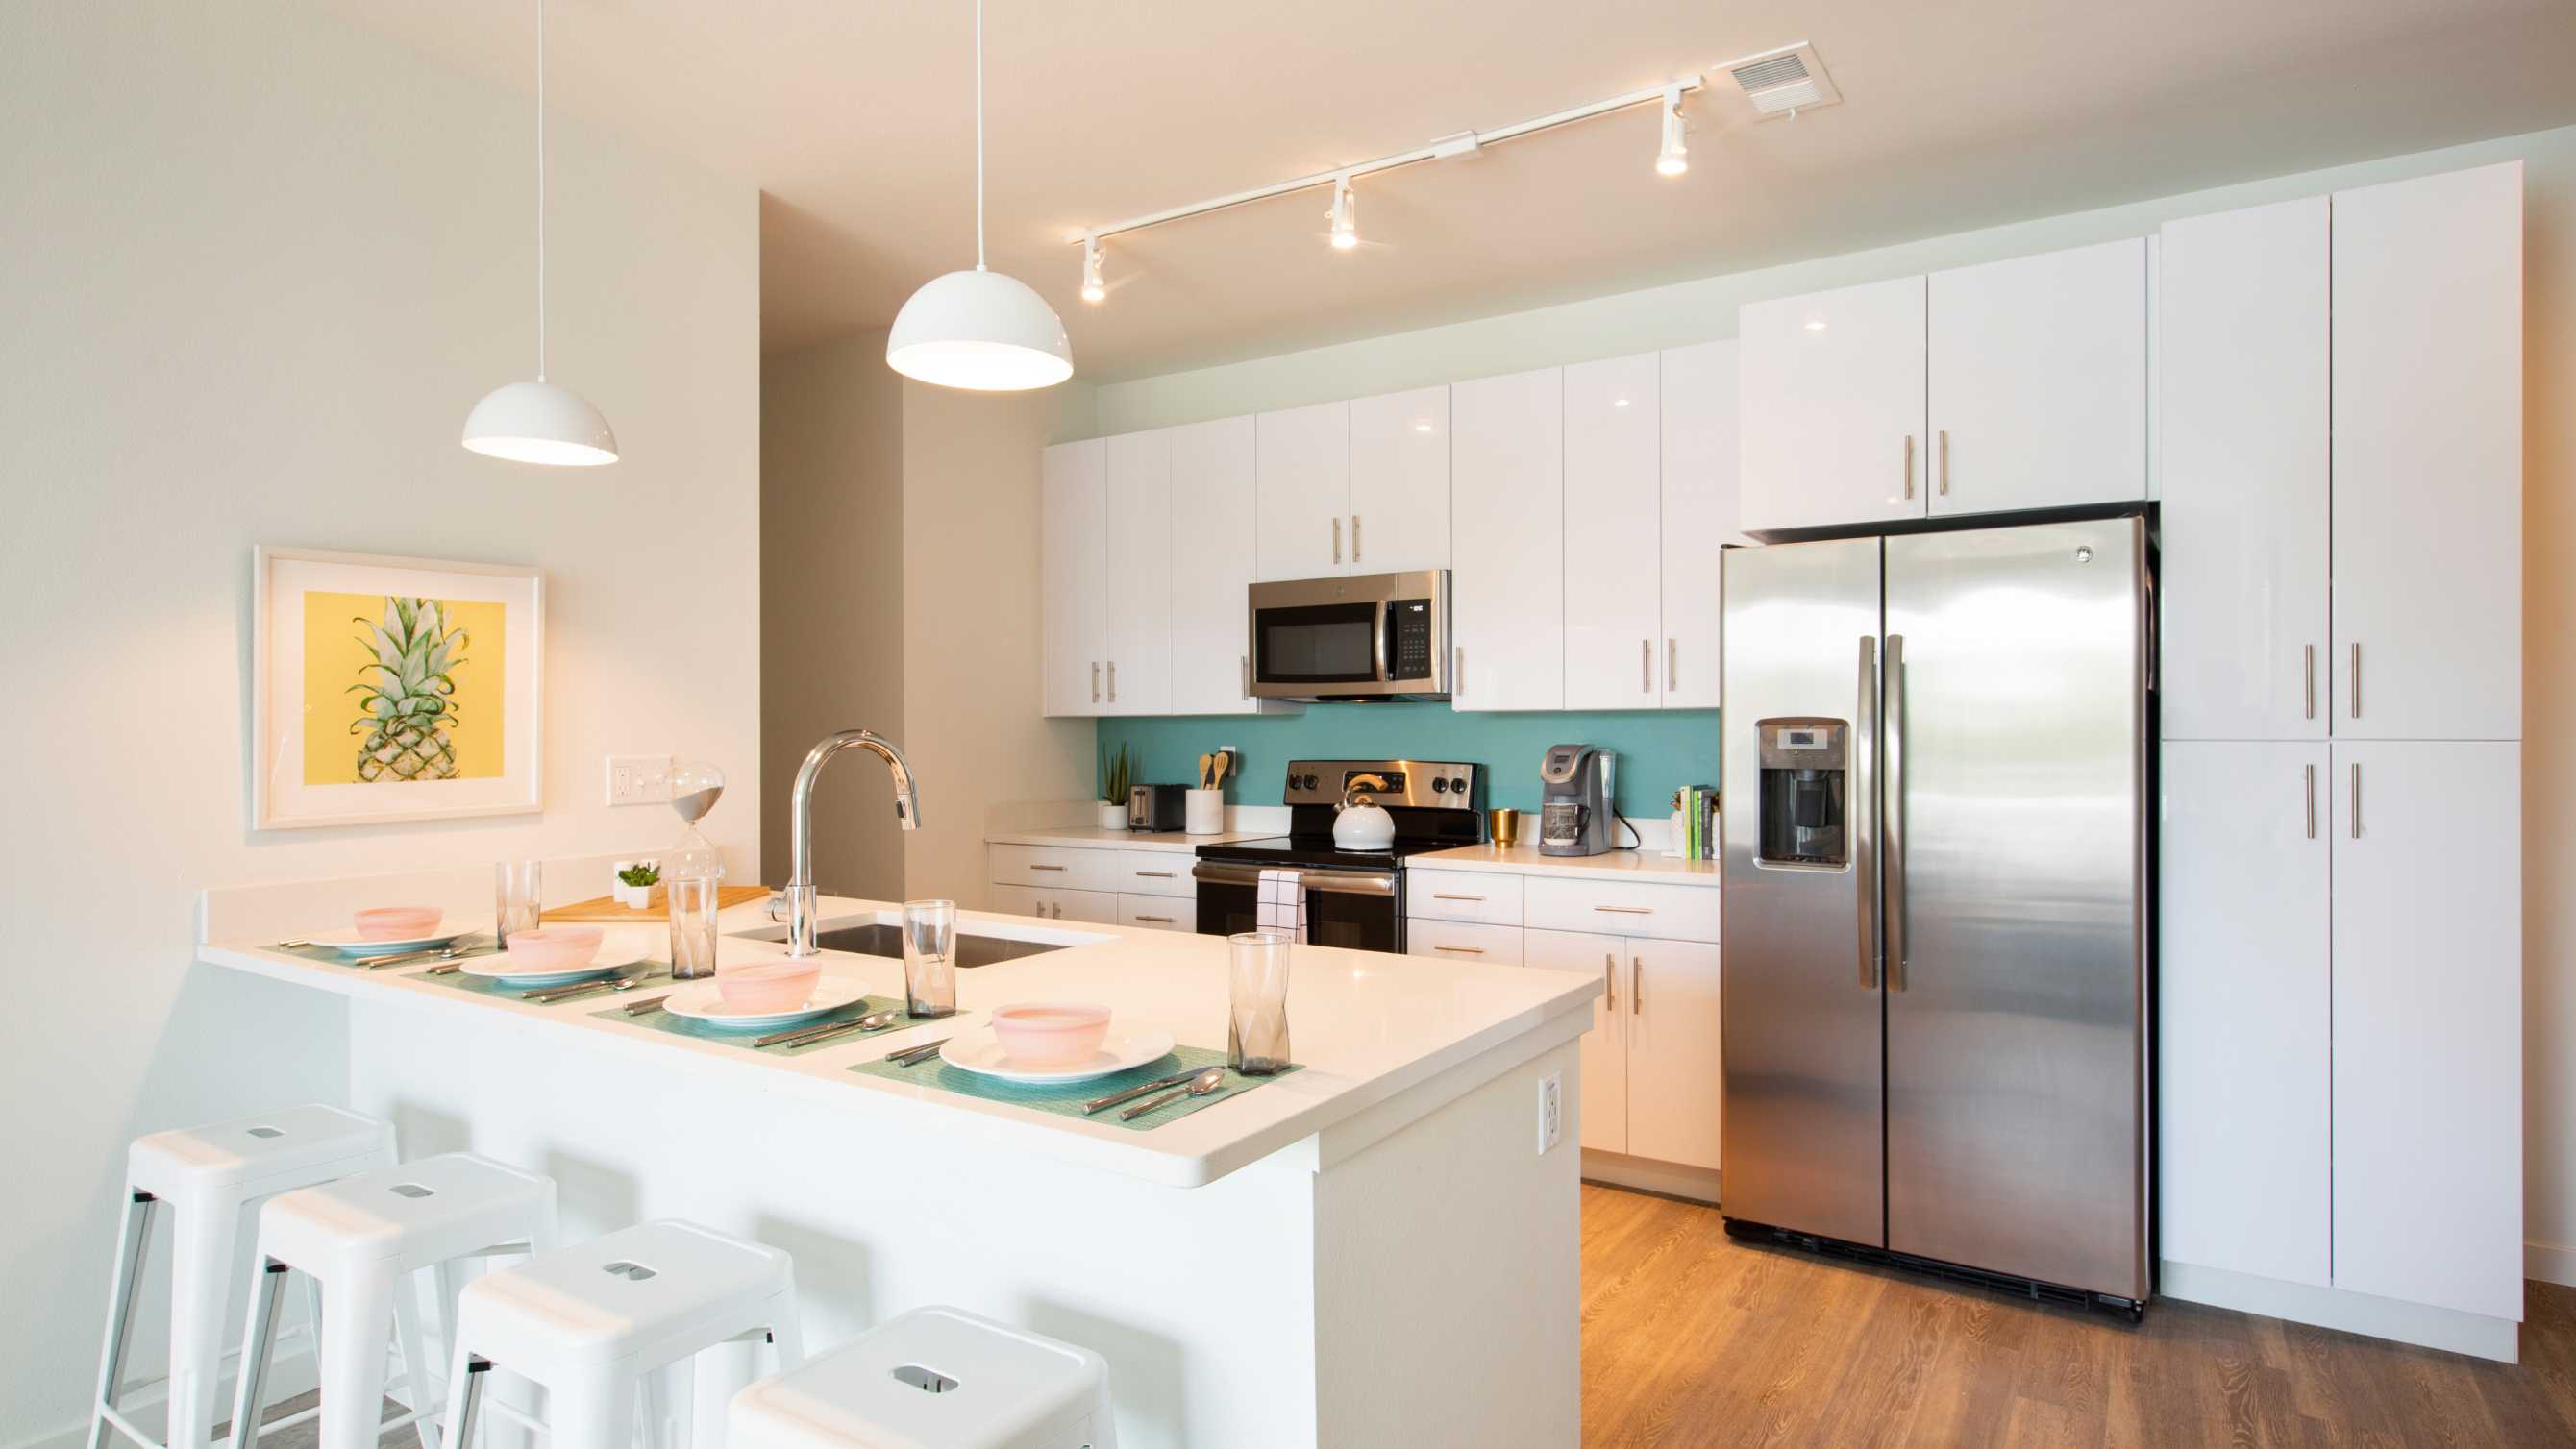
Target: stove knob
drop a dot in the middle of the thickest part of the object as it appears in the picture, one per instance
(1459, 784)
(1439, 785)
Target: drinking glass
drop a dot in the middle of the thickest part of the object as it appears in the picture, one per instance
(930, 958)
(516, 892)
(694, 900)
(1256, 1036)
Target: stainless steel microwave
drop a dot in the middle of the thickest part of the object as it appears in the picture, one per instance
(1363, 636)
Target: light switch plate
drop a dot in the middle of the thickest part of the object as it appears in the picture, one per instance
(639, 779)
(1551, 1111)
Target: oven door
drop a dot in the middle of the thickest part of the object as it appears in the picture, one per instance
(1361, 910)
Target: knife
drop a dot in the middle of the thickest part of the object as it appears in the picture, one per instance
(1132, 1093)
(911, 1056)
(806, 1035)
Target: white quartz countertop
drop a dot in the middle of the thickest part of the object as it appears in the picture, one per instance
(1368, 1030)
(1094, 838)
(1524, 859)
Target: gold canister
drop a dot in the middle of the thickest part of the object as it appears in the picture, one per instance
(1506, 823)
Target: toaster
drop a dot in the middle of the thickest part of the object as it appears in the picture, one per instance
(1159, 808)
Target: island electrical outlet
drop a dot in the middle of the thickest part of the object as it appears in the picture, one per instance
(1551, 1110)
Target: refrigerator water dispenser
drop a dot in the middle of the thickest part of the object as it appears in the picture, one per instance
(1804, 804)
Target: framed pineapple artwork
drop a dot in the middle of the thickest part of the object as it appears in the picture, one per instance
(386, 690)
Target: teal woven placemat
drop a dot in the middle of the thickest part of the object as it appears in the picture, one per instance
(653, 973)
(476, 943)
(683, 1026)
(1065, 1099)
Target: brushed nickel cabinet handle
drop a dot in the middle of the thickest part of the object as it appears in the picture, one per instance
(1355, 538)
(2355, 809)
(1909, 465)
(1157, 920)
(1113, 681)
(1155, 874)
(1645, 666)
(1610, 979)
(1462, 950)
(2311, 772)
(1945, 462)
(1449, 896)
(1247, 675)
(1046, 867)
(1636, 984)
(2308, 681)
(1627, 910)
(1672, 655)
(1095, 681)
(2355, 673)
(1337, 539)
(1457, 671)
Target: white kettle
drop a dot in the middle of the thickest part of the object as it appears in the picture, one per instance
(1361, 823)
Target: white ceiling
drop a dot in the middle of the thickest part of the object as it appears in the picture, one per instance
(854, 118)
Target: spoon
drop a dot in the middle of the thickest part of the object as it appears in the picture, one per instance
(807, 1036)
(552, 994)
(1200, 1085)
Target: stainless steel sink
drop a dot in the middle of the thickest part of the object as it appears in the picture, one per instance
(876, 938)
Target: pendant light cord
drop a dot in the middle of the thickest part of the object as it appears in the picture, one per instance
(541, 190)
(979, 134)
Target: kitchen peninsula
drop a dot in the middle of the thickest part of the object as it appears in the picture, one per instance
(1372, 1250)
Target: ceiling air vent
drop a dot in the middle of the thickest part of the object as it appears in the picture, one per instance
(1784, 80)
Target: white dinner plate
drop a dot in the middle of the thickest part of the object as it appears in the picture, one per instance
(977, 1051)
(703, 1003)
(611, 959)
(348, 944)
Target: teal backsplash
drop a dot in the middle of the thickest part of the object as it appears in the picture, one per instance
(1659, 750)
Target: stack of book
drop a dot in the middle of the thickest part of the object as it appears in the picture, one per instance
(1697, 807)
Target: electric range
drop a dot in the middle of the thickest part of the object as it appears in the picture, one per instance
(1354, 898)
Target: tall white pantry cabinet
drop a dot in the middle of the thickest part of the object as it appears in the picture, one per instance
(2340, 1033)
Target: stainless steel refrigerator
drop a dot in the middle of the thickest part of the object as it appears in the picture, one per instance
(1936, 754)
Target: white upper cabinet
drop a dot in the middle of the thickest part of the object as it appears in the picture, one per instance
(1832, 407)
(2246, 331)
(2428, 1023)
(2428, 458)
(1507, 551)
(1399, 494)
(1137, 678)
(1073, 577)
(1613, 530)
(1699, 468)
(1213, 521)
(2038, 381)
(2245, 1024)
(1303, 473)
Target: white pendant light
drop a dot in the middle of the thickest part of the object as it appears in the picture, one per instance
(979, 330)
(540, 422)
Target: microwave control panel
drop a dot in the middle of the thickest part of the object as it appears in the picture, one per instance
(1409, 645)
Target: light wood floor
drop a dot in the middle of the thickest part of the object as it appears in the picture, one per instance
(1691, 1339)
(1694, 1341)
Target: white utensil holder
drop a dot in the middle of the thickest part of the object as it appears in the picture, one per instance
(1203, 812)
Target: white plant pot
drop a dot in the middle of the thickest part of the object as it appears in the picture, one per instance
(1113, 817)
(634, 898)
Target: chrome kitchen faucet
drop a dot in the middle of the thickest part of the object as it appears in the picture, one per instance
(801, 895)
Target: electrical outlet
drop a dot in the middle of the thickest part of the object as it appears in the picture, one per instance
(639, 779)
(1551, 1110)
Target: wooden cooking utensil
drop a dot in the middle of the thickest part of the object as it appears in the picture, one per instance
(1207, 767)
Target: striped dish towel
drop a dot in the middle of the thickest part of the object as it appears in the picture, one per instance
(1283, 904)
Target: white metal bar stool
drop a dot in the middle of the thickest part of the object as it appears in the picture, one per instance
(365, 1240)
(933, 1378)
(600, 1322)
(207, 1176)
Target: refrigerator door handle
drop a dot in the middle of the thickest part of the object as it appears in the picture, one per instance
(1864, 810)
(1892, 809)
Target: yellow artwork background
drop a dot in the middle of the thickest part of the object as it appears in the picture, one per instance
(334, 651)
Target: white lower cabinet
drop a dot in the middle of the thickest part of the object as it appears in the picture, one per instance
(1650, 1065)
(1464, 941)
(1099, 908)
(2428, 1022)
(1605, 1047)
(2245, 1049)
(1158, 913)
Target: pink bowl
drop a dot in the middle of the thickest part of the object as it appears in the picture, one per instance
(1050, 1034)
(554, 948)
(396, 923)
(767, 986)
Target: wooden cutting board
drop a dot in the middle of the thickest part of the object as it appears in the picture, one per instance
(604, 910)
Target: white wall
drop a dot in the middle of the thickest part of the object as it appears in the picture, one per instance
(1699, 310)
(831, 599)
(972, 725)
(259, 263)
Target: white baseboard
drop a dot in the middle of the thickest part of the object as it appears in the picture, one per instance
(1647, 1175)
(290, 1372)
(2416, 1323)
(2549, 1263)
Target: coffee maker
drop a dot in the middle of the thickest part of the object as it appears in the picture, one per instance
(1574, 802)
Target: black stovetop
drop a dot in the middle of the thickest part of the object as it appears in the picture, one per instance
(1309, 841)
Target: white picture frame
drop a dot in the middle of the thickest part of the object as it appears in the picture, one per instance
(282, 796)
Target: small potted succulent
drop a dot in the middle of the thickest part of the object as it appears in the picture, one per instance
(1115, 771)
(635, 882)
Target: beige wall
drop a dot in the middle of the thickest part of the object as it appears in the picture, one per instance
(831, 600)
(259, 263)
(972, 726)
(1698, 310)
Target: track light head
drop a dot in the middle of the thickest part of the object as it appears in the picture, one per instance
(1674, 158)
(1345, 214)
(1093, 289)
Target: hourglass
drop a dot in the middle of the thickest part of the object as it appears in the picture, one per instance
(695, 788)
